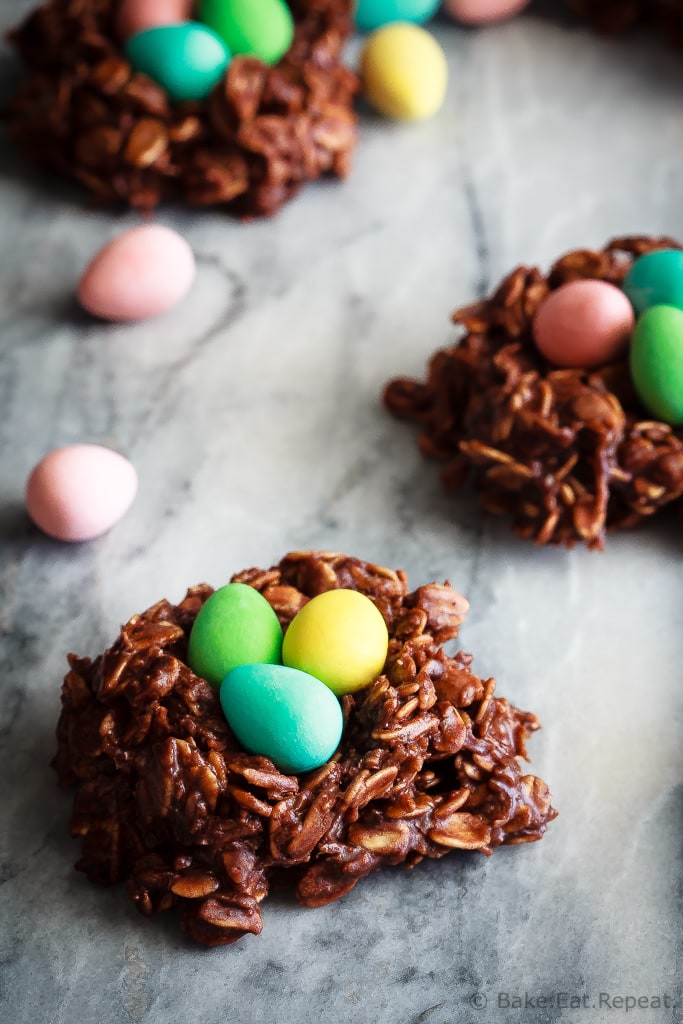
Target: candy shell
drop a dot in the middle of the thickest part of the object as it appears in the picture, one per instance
(186, 60)
(236, 626)
(657, 362)
(341, 638)
(483, 12)
(404, 72)
(283, 714)
(79, 492)
(656, 279)
(583, 324)
(372, 14)
(262, 28)
(137, 15)
(143, 272)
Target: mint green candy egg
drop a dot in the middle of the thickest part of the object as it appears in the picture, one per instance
(657, 362)
(262, 28)
(656, 279)
(187, 59)
(283, 714)
(372, 14)
(235, 627)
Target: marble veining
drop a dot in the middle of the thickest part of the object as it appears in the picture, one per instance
(252, 415)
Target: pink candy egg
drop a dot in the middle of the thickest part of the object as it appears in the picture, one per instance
(137, 15)
(483, 12)
(583, 324)
(79, 492)
(143, 272)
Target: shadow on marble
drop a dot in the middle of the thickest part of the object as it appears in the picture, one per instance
(15, 526)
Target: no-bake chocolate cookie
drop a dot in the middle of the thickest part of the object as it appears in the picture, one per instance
(167, 801)
(567, 454)
(262, 133)
(614, 15)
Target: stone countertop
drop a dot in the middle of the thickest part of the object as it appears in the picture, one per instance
(252, 414)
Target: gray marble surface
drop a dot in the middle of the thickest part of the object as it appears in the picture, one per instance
(252, 415)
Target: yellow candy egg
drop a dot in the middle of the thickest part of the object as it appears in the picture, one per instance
(404, 72)
(341, 638)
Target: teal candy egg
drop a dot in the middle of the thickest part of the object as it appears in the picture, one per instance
(262, 28)
(235, 627)
(656, 279)
(657, 362)
(372, 14)
(186, 59)
(283, 714)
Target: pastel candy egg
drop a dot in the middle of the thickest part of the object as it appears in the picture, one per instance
(137, 15)
(656, 279)
(79, 492)
(143, 272)
(283, 714)
(187, 60)
(483, 12)
(262, 28)
(657, 362)
(583, 324)
(236, 626)
(404, 72)
(341, 638)
(372, 14)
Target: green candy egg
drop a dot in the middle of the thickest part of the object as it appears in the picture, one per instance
(656, 279)
(186, 59)
(283, 714)
(235, 627)
(657, 362)
(262, 28)
(372, 14)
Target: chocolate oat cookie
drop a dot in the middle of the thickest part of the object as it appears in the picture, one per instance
(614, 15)
(567, 454)
(263, 132)
(167, 802)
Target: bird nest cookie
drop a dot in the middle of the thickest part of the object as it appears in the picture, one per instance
(169, 803)
(566, 453)
(259, 136)
(614, 15)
